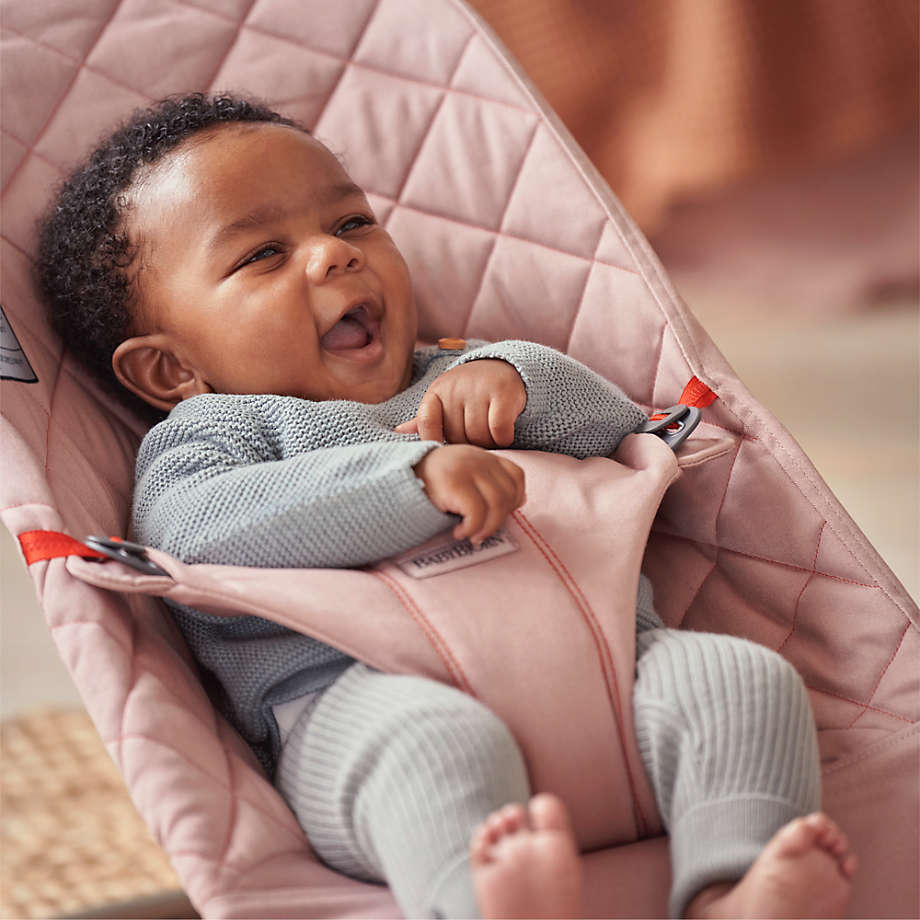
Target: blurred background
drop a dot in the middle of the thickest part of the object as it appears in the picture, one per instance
(769, 150)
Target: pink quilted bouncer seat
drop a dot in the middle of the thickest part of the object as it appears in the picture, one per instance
(510, 233)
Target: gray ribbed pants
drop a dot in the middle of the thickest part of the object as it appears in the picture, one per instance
(388, 774)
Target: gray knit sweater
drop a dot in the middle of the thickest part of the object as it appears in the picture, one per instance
(282, 482)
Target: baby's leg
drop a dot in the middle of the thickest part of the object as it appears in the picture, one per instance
(803, 871)
(389, 775)
(728, 741)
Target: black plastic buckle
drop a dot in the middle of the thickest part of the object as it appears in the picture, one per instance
(132, 555)
(676, 426)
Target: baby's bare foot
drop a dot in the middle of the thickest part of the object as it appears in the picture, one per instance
(804, 871)
(525, 862)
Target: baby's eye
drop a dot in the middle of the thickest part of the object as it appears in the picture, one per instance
(353, 223)
(266, 252)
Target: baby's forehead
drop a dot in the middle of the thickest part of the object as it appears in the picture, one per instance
(217, 144)
(239, 161)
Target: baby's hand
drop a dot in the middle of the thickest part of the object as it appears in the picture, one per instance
(481, 487)
(475, 403)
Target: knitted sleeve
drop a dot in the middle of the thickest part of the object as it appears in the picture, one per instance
(212, 489)
(570, 408)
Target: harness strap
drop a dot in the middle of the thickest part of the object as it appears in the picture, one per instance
(39, 545)
(696, 395)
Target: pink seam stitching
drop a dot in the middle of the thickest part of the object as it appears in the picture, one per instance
(236, 37)
(568, 581)
(488, 261)
(440, 646)
(81, 65)
(785, 565)
(811, 575)
(715, 546)
(55, 108)
(413, 160)
(881, 676)
(504, 233)
(861, 704)
(346, 63)
(320, 52)
(581, 297)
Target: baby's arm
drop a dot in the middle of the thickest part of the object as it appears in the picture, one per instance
(475, 403)
(554, 402)
(482, 488)
(205, 496)
(213, 488)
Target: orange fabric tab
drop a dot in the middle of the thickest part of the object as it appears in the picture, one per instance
(451, 344)
(697, 394)
(38, 545)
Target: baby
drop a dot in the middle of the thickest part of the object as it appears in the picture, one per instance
(221, 265)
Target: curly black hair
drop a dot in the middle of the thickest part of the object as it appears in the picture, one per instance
(83, 250)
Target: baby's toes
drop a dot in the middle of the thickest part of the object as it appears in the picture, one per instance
(507, 820)
(480, 846)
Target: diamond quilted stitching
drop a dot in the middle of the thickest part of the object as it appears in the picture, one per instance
(764, 513)
(198, 42)
(481, 73)
(838, 559)
(735, 599)
(533, 214)
(672, 373)
(666, 555)
(21, 203)
(370, 111)
(391, 44)
(314, 24)
(468, 165)
(12, 155)
(73, 34)
(24, 65)
(89, 108)
(612, 248)
(847, 643)
(689, 510)
(299, 81)
(447, 261)
(613, 334)
(520, 275)
(897, 688)
(235, 10)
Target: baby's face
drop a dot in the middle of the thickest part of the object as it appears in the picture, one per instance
(263, 266)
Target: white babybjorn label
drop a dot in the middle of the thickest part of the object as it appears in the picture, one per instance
(14, 365)
(446, 555)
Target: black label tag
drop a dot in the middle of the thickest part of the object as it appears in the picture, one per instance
(14, 365)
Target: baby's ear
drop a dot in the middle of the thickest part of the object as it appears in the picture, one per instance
(147, 367)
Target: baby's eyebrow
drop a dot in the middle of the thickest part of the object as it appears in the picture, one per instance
(272, 213)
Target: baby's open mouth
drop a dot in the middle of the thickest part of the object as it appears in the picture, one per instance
(356, 329)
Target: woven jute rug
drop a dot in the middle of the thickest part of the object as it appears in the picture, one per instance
(70, 838)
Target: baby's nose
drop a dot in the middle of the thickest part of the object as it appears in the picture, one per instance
(331, 255)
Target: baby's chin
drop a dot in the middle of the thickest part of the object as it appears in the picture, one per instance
(370, 391)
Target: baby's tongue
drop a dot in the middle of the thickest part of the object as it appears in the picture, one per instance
(346, 333)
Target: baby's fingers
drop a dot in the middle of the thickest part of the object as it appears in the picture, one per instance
(518, 481)
(502, 491)
(502, 417)
(410, 427)
(430, 418)
(471, 506)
